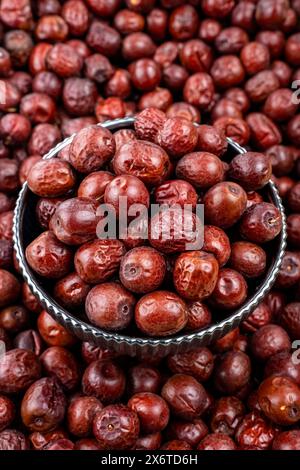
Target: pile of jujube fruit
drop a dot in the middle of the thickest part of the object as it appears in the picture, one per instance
(156, 281)
(66, 65)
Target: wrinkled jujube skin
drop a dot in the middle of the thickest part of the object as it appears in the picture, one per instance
(177, 137)
(287, 440)
(71, 126)
(293, 229)
(279, 106)
(227, 413)
(217, 242)
(195, 275)
(230, 291)
(232, 372)
(80, 415)
(148, 122)
(201, 169)
(14, 128)
(116, 427)
(93, 186)
(75, 221)
(60, 444)
(176, 192)
(63, 60)
(284, 185)
(103, 38)
(129, 187)
(48, 256)
(212, 140)
(290, 319)
(176, 444)
(51, 178)
(26, 166)
(226, 342)
(191, 432)
(234, 128)
(145, 74)
(9, 181)
(29, 300)
(142, 270)
(184, 110)
(264, 132)
(227, 71)
(152, 410)
(91, 148)
(255, 57)
(143, 159)
(198, 363)
(43, 406)
(185, 396)
(12, 439)
(199, 316)
(6, 222)
(90, 352)
(279, 399)
(255, 430)
(71, 291)
(19, 368)
(161, 313)
(31, 340)
(224, 204)
(43, 138)
(123, 136)
(261, 223)
(261, 316)
(110, 306)
(111, 108)
(47, 82)
(38, 107)
(162, 97)
(217, 441)
(51, 27)
(60, 363)
(7, 412)
(39, 440)
(248, 259)
(269, 340)
(6, 254)
(199, 90)
(225, 108)
(143, 378)
(251, 170)
(293, 198)
(282, 363)
(98, 260)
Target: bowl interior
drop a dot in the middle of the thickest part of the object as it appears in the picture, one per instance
(27, 229)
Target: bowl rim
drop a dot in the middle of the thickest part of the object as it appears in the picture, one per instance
(92, 333)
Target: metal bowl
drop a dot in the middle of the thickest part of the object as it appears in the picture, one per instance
(25, 230)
